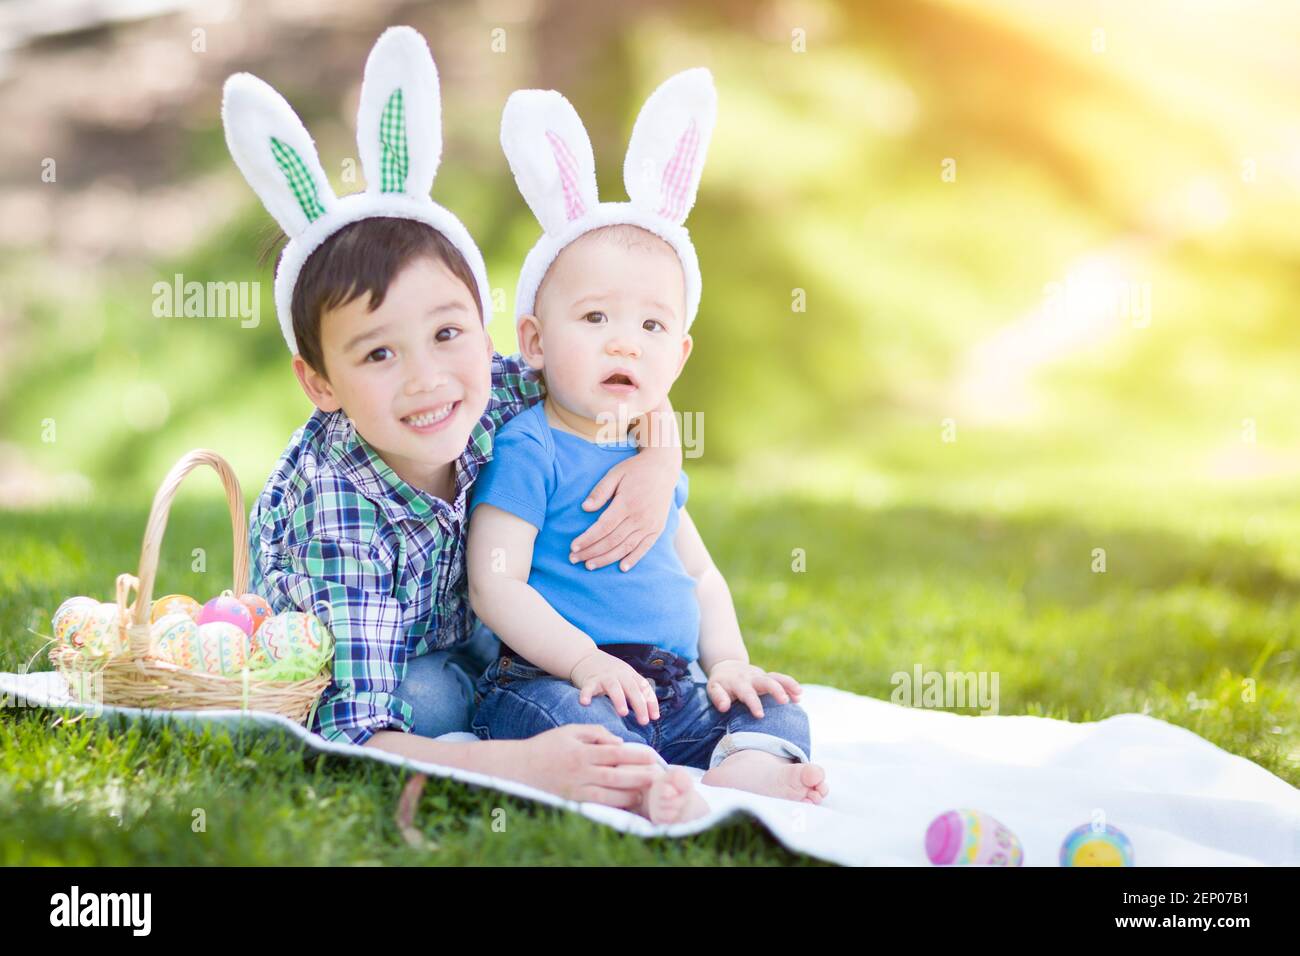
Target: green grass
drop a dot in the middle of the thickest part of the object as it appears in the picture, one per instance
(1190, 609)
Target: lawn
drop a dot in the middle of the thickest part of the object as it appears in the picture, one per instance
(1197, 627)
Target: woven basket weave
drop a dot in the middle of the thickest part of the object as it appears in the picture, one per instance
(133, 678)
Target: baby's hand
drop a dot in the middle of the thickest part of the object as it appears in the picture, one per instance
(600, 673)
(732, 680)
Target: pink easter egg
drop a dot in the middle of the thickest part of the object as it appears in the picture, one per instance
(971, 837)
(226, 608)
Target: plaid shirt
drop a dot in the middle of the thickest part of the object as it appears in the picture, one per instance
(380, 562)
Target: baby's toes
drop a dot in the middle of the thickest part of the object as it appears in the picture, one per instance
(811, 776)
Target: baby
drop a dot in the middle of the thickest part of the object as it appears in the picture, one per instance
(605, 302)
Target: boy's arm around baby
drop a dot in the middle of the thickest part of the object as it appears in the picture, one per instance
(642, 487)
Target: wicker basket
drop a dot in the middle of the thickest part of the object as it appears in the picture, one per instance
(133, 679)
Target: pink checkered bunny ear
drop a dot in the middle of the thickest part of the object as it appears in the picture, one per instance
(550, 155)
(669, 140)
(275, 153)
(399, 121)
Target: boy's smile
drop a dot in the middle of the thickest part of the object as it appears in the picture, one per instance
(413, 375)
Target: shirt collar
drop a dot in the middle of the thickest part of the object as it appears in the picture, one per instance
(373, 476)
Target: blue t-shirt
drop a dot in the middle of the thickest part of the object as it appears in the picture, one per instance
(543, 475)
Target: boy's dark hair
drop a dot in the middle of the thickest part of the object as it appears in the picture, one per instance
(362, 257)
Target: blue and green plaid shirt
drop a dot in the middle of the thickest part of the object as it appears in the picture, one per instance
(335, 532)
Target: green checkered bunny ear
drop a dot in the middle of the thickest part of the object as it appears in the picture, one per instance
(399, 122)
(275, 153)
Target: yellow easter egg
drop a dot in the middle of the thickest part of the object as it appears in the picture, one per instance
(173, 638)
(100, 634)
(71, 617)
(173, 604)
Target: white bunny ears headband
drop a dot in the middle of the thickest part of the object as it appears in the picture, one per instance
(399, 135)
(550, 155)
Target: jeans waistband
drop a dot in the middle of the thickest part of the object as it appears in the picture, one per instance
(655, 663)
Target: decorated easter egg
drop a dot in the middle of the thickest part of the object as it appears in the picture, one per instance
(218, 647)
(293, 644)
(258, 608)
(1086, 846)
(226, 608)
(100, 634)
(971, 838)
(223, 648)
(174, 604)
(71, 617)
(174, 638)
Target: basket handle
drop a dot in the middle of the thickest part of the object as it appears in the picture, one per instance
(162, 502)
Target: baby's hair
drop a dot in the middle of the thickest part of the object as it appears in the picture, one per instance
(622, 234)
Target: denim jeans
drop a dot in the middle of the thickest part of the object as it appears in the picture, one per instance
(518, 699)
(439, 685)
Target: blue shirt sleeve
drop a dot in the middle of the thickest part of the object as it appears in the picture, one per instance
(520, 478)
(680, 492)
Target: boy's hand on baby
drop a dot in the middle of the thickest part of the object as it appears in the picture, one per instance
(734, 680)
(642, 491)
(600, 673)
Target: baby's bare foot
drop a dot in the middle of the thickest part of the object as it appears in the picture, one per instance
(672, 798)
(760, 772)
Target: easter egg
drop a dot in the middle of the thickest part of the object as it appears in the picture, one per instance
(70, 617)
(174, 604)
(971, 838)
(223, 648)
(226, 608)
(295, 644)
(100, 634)
(1085, 846)
(258, 608)
(215, 648)
(174, 638)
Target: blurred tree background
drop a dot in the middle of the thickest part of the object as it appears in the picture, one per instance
(989, 259)
(1015, 249)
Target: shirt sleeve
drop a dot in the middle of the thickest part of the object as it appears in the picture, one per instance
(350, 588)
(521, 475)
(680, 491)
(516, 385)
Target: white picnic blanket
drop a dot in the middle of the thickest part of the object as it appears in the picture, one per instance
(892, 769)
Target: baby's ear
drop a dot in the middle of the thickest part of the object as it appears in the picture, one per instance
(669, 141)
(273, 150)
(528, 330)
(550, 155)
(687, 345)
(399, 121)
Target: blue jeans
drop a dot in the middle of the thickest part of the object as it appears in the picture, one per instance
(518, 699)
(439, 685)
